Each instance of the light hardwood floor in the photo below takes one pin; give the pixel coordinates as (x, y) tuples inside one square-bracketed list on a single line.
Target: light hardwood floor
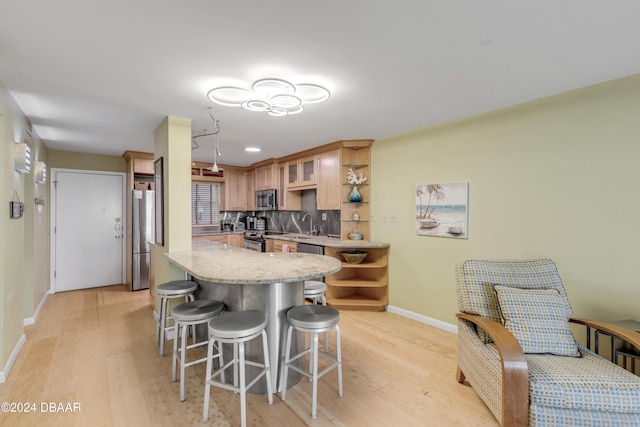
[(97, 348)]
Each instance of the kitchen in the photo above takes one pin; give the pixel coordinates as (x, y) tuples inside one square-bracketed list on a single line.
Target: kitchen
[(295, 203)]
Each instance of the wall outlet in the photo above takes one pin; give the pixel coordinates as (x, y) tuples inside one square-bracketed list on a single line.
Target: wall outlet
[(324, 216), (393, 217)]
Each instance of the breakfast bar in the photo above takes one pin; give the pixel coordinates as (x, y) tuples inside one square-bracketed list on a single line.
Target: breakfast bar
[(268, 282)]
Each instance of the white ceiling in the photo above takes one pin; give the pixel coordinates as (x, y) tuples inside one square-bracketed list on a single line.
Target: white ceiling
[(99, 77)]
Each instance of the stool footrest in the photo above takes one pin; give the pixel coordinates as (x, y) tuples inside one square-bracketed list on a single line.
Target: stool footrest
[(235, 389)]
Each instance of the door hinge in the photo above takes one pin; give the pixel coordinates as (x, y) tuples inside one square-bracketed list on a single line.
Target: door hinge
[(54, 274)]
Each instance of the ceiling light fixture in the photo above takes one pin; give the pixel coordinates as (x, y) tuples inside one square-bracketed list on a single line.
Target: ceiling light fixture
[(216, 147), (276, 97), (253, 149)]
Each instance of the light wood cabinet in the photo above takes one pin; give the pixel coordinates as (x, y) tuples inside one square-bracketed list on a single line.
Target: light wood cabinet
[(275, 245), (329, 189), (302, 173), (265, 177), (287, 200), (251, 190), (236, 240), (361, 286), (143, 166), (235, 190)]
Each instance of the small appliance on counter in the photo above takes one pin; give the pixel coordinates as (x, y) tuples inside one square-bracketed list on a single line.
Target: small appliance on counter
[(226, 225), (238, 226), (251, 222)]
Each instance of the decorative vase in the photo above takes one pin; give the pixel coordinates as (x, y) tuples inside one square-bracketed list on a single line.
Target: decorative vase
[(355, 195)]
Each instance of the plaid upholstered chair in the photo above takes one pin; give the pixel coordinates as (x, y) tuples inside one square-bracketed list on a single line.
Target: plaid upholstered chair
[(517, 352)]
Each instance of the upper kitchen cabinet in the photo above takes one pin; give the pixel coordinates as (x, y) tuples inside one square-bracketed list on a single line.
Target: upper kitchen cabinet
[(302, 173), (329, 181), (287, 200), (235, 189), (265, 177), (251, 189)]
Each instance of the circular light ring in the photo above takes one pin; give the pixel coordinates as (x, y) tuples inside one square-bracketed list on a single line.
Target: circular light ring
[(256, 105), (285, 101), (229, 96), (296, 110), (277, 112), (311, 94), (270, 87)]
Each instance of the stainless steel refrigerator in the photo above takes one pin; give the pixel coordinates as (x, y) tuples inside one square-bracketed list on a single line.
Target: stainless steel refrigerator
[(142, 234)]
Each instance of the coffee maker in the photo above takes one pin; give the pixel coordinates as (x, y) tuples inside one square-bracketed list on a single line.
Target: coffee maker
[(252, 222)]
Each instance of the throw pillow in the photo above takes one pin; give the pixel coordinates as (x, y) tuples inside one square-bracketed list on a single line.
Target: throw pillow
[(538, 320)]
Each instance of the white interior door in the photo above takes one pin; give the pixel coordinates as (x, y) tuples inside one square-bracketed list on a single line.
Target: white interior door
[(88, 229)]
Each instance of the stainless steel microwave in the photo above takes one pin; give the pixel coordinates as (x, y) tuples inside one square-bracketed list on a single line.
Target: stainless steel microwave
[(266, 200)]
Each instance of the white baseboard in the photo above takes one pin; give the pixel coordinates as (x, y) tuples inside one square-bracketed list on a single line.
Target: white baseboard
[(4, 374), (32, 320), (423, 319)]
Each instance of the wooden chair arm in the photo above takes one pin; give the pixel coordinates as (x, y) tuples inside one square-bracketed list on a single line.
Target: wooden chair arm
[(626, 334), (515, 372)]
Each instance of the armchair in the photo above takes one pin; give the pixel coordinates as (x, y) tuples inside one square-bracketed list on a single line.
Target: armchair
[(517, 352)]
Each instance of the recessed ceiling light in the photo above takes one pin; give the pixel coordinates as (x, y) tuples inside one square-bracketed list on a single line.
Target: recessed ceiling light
[(252, 149)]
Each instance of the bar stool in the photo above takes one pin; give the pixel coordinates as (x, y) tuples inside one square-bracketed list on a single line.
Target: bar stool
[(313, 319), (166, 291), (237, 328), (190, 314), (314, 290)]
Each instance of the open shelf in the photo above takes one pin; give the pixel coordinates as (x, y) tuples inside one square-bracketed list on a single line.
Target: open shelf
[(356, 283), (361, 286), (377, 264)]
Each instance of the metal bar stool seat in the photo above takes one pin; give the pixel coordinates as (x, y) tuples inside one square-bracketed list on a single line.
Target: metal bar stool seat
[(315, 290), (166, 291), (314, 319), (190, 314), (237, 328)]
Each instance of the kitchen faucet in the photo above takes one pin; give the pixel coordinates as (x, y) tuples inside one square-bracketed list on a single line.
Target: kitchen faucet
[(311, 230)]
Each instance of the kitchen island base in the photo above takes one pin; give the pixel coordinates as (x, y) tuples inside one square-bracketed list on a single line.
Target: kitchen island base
[(273, 300)]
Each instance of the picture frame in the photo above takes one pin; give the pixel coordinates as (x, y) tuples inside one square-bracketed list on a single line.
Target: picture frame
[(442, 210), (158, 171)]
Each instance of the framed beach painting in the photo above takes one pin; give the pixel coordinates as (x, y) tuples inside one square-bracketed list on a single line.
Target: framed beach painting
[(442, 210)]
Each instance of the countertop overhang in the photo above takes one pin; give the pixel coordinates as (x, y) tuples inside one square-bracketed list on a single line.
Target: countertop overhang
[(221, 263)]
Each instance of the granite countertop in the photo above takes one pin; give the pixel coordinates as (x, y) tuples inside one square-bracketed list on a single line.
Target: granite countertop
[(332, 242), (215, 233), (221, 263)]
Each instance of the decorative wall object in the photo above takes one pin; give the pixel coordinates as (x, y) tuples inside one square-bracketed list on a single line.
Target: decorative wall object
[(41, 173), (442, 210), (159, 201), (22, 157)]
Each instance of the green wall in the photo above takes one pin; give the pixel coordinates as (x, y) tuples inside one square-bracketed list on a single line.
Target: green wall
[(86, 161), (24, 251), (554, 178)]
